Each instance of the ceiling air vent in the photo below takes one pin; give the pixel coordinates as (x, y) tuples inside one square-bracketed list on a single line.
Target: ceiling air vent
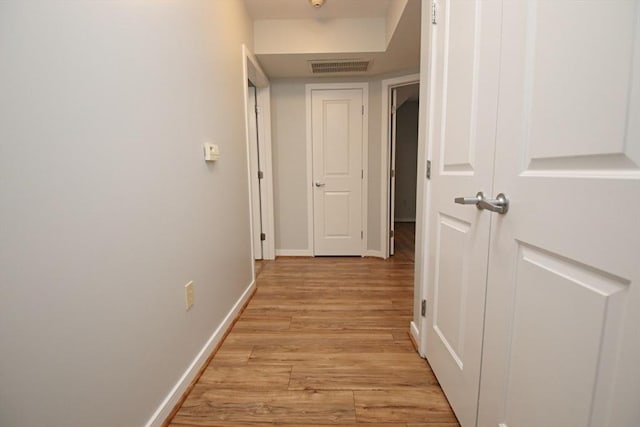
[(339, 66)]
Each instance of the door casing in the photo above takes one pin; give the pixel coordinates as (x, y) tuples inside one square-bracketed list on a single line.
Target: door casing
[(385, 161), (253, 72)]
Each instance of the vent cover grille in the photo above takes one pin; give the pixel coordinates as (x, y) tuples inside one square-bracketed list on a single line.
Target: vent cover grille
[(339, 66)]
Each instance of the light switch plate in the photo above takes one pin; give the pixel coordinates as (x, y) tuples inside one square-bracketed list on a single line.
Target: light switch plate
[(211, 152)]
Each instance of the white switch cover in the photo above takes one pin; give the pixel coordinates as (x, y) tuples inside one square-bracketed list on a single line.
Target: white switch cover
[(211, 152)]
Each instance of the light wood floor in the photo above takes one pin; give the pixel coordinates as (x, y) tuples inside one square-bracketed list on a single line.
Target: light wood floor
[(323, 341)]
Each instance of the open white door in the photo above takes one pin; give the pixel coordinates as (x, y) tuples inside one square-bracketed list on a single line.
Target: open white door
[(392, 180), (562, 340), (463, 111), (254, 162), (337, 140)]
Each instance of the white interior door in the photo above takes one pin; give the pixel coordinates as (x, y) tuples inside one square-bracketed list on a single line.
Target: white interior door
[(337, 138), (562, 340), (254, 165), (392, 184), (465, 59)]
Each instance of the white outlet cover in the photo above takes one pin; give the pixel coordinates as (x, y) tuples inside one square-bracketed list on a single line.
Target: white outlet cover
[(188, 295)]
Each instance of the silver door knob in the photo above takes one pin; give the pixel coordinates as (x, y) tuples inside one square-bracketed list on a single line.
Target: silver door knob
[(500, 204), (319, 184)]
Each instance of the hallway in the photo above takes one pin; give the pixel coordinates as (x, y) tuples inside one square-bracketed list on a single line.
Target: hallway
[(323, 341)]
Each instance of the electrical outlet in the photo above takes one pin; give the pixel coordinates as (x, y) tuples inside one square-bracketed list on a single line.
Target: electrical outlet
[(188, 294)]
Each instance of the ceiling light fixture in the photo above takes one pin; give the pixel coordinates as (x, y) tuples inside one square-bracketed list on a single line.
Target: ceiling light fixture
[(316, 3)]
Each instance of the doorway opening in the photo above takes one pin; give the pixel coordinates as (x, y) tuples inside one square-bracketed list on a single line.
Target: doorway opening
[(401, 98), (258, 139)]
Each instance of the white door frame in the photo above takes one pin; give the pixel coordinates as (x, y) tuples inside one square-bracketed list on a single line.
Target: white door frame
[(254, 150), (385, 165), (253, 72), (365, 153), (425, 118)]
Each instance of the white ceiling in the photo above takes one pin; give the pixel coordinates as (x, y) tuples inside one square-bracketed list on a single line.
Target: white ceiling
[(401, 53), (301, 9)]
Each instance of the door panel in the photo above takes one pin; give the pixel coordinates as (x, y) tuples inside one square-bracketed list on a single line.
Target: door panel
[(577, 333), (337, 171), (336, 213), (561, 341), (593, 101), (451, 285), (335, 127), (463, 112), (460, 80)]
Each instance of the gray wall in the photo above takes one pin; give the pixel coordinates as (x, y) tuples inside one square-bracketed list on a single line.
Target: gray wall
[(107, 207), (288, 109), (289, 153), (406, 161)]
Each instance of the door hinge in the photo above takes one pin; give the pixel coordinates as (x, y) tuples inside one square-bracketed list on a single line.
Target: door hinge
[(363, 110), (423, 309), (260, 175), (361, 234), (393, 173), (361, 173), (434, 12), (393, 109), (428, 169), (391, 234), (263, 237), (258, 109)]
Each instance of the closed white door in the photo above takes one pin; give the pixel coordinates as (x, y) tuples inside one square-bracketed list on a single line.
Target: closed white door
[(463, 106), (392, 183), (562, 336), (337, 140)]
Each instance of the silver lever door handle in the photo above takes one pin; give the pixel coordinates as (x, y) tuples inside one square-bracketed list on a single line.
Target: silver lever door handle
[(499, 204), (319, 184), (470, 200)]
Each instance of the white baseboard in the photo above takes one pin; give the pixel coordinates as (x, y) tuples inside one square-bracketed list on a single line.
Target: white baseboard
[(404, 220), (375, 254), (167, 405), (294, 252), (415, 334)]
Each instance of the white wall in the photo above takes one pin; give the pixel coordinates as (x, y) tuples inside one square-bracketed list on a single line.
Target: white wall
[(289, 158), (406, 161), (107, 207)]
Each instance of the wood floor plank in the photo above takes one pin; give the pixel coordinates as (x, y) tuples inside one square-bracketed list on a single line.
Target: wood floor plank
[(298, 337), (426, 404), (230, 354), (369, 322), (307, 407), (259, 323), (370, 349), (382, 377), (278, 307), (255, 377), (338, 359), (454, 424), (260, 424)]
